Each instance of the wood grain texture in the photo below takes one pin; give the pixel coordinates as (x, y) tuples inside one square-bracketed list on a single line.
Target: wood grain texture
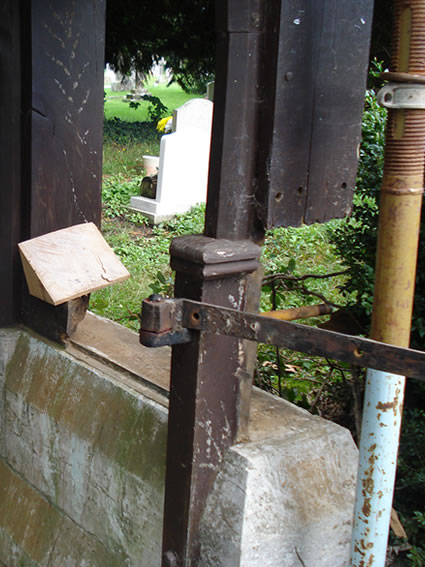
[(67, 113), (69, 263), (310, 121)]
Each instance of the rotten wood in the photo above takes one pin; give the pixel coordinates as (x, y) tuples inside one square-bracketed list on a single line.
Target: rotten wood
[(57, 323)]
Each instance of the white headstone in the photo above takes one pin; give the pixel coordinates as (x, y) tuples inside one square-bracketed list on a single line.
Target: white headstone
[(195, 113), (183, 163)]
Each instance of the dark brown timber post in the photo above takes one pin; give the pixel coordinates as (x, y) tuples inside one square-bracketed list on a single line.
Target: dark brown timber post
[(51, 98), (211, 376), (15, 96)]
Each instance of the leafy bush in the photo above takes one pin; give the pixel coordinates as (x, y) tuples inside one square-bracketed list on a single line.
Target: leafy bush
[(121, 131), (355, 239), (156, 109), (116, 193)]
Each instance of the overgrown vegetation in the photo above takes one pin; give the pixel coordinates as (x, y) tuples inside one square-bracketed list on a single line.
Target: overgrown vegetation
[(331, 263)]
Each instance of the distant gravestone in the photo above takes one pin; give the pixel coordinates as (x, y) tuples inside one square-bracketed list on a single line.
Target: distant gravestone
[(183, 163), (210, 90)]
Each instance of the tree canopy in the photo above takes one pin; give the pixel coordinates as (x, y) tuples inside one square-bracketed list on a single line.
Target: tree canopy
[(141, 33)]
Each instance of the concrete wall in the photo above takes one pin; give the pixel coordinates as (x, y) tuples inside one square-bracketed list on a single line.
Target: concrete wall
[(82, 458)]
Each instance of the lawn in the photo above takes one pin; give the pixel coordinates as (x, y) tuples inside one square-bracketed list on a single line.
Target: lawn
[(172, 97)]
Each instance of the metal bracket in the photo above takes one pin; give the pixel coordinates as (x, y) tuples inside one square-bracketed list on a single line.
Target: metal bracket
[(402, 96), (171, 319)]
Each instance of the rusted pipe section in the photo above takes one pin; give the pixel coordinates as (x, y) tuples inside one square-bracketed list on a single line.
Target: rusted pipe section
[(400, 209), (299, 312)]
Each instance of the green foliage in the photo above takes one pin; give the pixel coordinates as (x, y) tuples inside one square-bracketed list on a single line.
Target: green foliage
[(143, 249), (163, 285), (355, 239), (298, 251), (121, 132), (156, 109), (170, 96), (116, 193), (410, 485)]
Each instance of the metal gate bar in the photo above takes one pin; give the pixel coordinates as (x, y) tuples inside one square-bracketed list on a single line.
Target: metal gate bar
[(166, 321)]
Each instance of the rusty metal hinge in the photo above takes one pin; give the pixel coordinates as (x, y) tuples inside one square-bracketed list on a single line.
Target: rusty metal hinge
[(172, 321)]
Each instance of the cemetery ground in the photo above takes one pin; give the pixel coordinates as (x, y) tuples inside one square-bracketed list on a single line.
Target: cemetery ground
[(324, 387)]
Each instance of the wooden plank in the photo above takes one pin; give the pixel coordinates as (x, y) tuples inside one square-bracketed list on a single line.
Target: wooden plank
[(311, 117), (69, 263), (343, 48), (230, 211), (286, 120)]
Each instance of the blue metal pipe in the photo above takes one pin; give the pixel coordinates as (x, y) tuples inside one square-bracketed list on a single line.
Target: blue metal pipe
[(382, 411)]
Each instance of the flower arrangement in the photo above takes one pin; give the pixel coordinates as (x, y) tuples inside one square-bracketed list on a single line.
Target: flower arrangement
[(165, 124)]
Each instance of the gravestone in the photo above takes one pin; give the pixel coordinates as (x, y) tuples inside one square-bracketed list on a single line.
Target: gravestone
[(183, 164)]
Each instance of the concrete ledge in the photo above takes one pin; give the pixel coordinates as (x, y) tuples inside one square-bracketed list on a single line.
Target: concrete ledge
[(82, 451), (285, 497)]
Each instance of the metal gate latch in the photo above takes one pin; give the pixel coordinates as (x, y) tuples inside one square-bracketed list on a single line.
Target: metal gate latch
[(173, 321)]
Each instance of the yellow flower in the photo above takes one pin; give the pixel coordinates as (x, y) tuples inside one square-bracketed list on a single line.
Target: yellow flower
[(162, 123)]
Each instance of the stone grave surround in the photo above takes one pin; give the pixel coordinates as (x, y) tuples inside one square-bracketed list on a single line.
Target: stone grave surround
[(183, 164)]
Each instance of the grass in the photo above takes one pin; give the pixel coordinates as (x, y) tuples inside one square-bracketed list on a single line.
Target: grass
[(172, 97)]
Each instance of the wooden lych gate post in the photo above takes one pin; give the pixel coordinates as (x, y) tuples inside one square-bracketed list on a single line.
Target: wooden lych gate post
[(51, 105), (289, 94)]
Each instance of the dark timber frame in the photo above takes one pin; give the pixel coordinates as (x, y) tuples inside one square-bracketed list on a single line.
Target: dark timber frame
[(51, 104)]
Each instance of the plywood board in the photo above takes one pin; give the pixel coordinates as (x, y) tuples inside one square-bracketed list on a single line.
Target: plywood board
[(69, 263)]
